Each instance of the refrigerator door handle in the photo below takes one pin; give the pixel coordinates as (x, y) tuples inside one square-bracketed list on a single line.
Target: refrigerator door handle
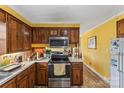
[(118, 65), (121, 63)]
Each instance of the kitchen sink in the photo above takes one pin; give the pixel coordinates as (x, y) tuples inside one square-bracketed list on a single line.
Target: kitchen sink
[(4, 75)]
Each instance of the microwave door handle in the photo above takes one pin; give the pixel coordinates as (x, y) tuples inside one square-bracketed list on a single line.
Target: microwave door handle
[(121, 63)]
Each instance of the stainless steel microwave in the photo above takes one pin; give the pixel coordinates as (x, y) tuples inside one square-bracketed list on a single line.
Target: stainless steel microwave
[(58, 42)]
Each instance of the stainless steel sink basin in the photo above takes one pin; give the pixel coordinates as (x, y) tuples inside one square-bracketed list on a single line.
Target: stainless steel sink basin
[(4, 75)]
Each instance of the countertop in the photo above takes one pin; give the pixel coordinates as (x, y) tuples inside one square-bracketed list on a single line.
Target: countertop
[(72, 59), (27, 64)]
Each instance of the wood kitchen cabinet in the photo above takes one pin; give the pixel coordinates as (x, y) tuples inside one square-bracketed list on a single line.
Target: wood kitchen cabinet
[(40, 35), (42, 73), (120, 28), (31, 76), (76, 73), (26, 30), (10, 84), (14, 34), (22, 80), (3, 35), (2, 16), (74, 36)]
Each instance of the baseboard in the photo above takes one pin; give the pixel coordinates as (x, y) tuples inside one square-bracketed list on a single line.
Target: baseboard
[(99, 75)]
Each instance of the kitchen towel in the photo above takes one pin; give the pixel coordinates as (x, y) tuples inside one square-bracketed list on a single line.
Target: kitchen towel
[(59, 69)]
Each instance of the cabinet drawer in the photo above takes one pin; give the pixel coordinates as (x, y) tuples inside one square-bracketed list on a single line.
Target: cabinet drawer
[(22, 74), (77, 65), (42, 65)]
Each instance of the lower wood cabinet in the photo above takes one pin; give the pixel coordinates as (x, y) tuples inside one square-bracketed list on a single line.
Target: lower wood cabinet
[(42, 73), (10, 84), (22, 79), (76, 73), (23, 83), (31, 76)]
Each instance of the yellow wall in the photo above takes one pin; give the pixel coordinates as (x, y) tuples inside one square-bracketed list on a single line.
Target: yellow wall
[(99, 58)]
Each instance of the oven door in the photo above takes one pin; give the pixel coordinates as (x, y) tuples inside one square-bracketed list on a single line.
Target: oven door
[(58, 81), (51, 71)]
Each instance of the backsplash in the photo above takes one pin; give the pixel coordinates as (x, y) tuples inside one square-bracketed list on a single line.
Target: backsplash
[(14, 58)]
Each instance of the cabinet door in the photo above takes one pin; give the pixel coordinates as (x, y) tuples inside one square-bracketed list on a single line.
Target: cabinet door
[(74, 36), (120, 28), (76, 77), (23, 83), (19, 36), (13, 34), (42, 77), (31, 76), (31, 80), (40, 35), (3, 38), (45, 36), (10, 84), (26, 37), (2, 16), (15, 38), (42, 73)]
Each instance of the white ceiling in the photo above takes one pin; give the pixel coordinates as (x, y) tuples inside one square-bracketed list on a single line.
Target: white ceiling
[(86, 15)]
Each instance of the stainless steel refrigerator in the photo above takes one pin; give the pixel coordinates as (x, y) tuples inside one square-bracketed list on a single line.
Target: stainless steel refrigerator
[(117, 63)]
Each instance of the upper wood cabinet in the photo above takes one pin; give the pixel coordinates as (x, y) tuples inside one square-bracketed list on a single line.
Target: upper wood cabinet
[(14, 34), (3, 34), (26, 30), (120, 28), (41, 35), (19, 35), (74, 36), (2, 16)]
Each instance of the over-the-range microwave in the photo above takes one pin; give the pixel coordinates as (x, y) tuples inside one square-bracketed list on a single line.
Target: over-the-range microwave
[(58, 42)]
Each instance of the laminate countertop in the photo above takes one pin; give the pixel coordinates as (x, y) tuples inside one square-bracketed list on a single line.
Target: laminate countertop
[(73, 59)]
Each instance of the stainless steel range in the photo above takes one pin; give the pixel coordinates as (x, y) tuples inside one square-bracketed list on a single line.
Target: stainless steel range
[(59, 79)]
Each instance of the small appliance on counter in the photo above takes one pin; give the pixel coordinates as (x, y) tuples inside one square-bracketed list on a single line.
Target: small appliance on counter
[(75, 52)]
